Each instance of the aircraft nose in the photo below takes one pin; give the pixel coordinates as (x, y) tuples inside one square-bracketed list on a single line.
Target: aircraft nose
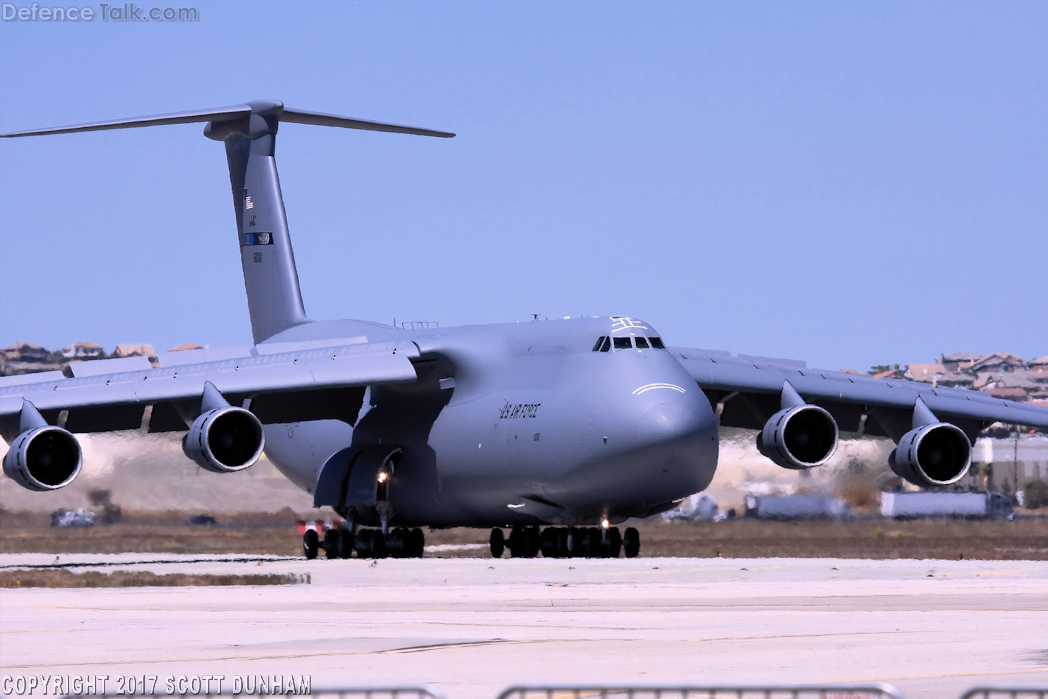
[(666, 427), (666, 420)]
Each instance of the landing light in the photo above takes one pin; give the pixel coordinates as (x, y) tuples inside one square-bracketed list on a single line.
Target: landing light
[(605, 523), (383, 477)]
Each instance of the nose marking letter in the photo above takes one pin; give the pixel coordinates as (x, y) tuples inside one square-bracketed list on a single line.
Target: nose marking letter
[(653, 386), (625, 323)]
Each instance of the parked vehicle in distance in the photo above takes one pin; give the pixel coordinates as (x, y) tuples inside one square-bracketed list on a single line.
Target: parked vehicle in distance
[(960, 505), (72, 518), (797, 507)]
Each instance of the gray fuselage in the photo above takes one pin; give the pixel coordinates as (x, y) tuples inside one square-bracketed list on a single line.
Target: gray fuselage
[(537, 428)]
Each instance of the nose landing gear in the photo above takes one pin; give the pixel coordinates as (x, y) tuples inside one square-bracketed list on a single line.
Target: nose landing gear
[(566, 542)]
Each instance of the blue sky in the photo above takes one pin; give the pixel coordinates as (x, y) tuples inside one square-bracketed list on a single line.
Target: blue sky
[(846, 183)]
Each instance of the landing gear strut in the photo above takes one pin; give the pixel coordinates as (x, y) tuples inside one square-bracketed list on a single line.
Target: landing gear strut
[(565, 542)]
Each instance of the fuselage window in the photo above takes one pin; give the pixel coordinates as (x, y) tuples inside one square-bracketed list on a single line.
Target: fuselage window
[(607, 345), (642, 343), (623, 343), (600, 341), (656, 342)]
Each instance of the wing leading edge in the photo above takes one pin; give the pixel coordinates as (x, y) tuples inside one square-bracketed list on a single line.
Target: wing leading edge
[(725, 377), (116, 398)]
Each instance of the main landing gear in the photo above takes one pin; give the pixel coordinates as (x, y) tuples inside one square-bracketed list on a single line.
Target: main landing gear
[(367, 543), (565, 542)]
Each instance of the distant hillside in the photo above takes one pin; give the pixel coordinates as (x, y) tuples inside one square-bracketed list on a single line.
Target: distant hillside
[(27, 358)]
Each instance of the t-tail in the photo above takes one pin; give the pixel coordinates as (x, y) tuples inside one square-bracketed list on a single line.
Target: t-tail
[(249, 131)]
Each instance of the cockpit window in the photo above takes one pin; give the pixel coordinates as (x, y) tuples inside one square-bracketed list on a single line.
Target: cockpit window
[(656, 342), (642, 343), (607, 345), (623, 343), (600, 341)]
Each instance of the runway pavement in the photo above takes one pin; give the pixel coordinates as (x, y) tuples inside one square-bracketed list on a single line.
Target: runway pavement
[(471, 627)]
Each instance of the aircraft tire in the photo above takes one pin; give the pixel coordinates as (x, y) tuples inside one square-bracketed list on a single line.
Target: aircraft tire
[(612, 543), (549, 544), (404, 550), (497, 542), (572, 539), (395, 543), (515, 542), (562, 542), (531, 542), (594, 543), (631, 543), (417, 541), (363, 543), (345, 543), (378, 544), (310, 544), (331, 543)]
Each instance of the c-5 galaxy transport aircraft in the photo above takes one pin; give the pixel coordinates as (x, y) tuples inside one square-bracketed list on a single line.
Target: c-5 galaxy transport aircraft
[(579, 424)]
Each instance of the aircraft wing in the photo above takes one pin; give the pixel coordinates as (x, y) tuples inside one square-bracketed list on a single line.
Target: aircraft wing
[(749, 389), (287, 382)]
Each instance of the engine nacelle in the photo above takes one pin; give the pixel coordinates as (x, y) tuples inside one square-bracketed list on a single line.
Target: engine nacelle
[(932, 455), (44, 458), (800, 437), (226, 439)]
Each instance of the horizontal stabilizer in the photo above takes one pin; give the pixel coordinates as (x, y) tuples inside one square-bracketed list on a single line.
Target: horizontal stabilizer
[(202, 115), (298, 116), (267, 108)]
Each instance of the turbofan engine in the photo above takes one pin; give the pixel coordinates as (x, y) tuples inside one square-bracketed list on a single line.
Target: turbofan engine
[(800, 437), (225, 439), (932, 455), (44, 458)]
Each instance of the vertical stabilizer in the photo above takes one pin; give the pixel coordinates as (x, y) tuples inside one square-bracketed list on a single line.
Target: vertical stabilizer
[(274, 298)]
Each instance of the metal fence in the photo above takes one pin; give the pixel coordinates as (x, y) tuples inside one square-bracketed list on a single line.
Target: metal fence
[(1001, 692), (876, 690), (230, 691)]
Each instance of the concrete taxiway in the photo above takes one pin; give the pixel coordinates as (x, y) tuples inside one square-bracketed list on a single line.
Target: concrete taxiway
[(473, 626)]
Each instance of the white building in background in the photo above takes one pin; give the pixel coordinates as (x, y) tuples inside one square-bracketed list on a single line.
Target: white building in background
[(1015, 461)]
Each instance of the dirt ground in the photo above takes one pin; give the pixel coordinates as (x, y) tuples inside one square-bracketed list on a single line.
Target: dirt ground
[(275, 533)]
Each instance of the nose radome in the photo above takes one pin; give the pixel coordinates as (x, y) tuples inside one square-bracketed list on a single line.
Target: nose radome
[(664, 424)]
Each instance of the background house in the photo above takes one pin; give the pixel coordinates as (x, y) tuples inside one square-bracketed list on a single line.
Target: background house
[(959, 361), (997, 362), (83, 350)]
